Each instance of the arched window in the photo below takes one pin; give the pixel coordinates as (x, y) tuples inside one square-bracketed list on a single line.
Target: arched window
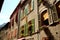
[(44, 18)]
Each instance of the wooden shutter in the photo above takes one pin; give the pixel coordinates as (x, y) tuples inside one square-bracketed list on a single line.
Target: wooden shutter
[(32, 4), (50, 19), (20, 32), (26, 29), (21, 14), (33, 25), (26, 10), (27, 7), (55, 15)]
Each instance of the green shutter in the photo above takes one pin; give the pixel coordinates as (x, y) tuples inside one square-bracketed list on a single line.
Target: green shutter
[(33, 25), (26, 29), (26, 11)]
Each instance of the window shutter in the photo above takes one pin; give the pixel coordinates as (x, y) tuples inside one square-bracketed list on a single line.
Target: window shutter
[(26, 11), (26, 29), (55, 15), (32, 4), (50, 19), (21, 15), (20, 32), (33, 25), (27, 6)]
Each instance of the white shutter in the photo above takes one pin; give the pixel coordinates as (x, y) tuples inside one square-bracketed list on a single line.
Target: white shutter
[(50, 19)]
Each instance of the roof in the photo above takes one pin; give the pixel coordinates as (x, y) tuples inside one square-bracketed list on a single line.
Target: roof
[(18, 6), (15, 10), (1, 3), (4, 26)]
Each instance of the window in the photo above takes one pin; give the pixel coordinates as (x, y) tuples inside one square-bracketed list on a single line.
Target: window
[(44, 18), (12, 23), (28, 8), (30, 30), (16, 20), (22, 31), (31, 26)]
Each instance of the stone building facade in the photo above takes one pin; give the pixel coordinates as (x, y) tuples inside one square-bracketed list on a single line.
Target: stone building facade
[(37, 20), (49, 19), (14, 24), (45, 14)]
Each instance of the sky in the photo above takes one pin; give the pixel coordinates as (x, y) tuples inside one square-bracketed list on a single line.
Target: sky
[(7, 9)]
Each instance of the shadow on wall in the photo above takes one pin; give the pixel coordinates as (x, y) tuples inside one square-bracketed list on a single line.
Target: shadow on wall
[(48, 33)]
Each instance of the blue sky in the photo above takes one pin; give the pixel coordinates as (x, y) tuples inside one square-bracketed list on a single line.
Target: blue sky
[(7, 9)]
